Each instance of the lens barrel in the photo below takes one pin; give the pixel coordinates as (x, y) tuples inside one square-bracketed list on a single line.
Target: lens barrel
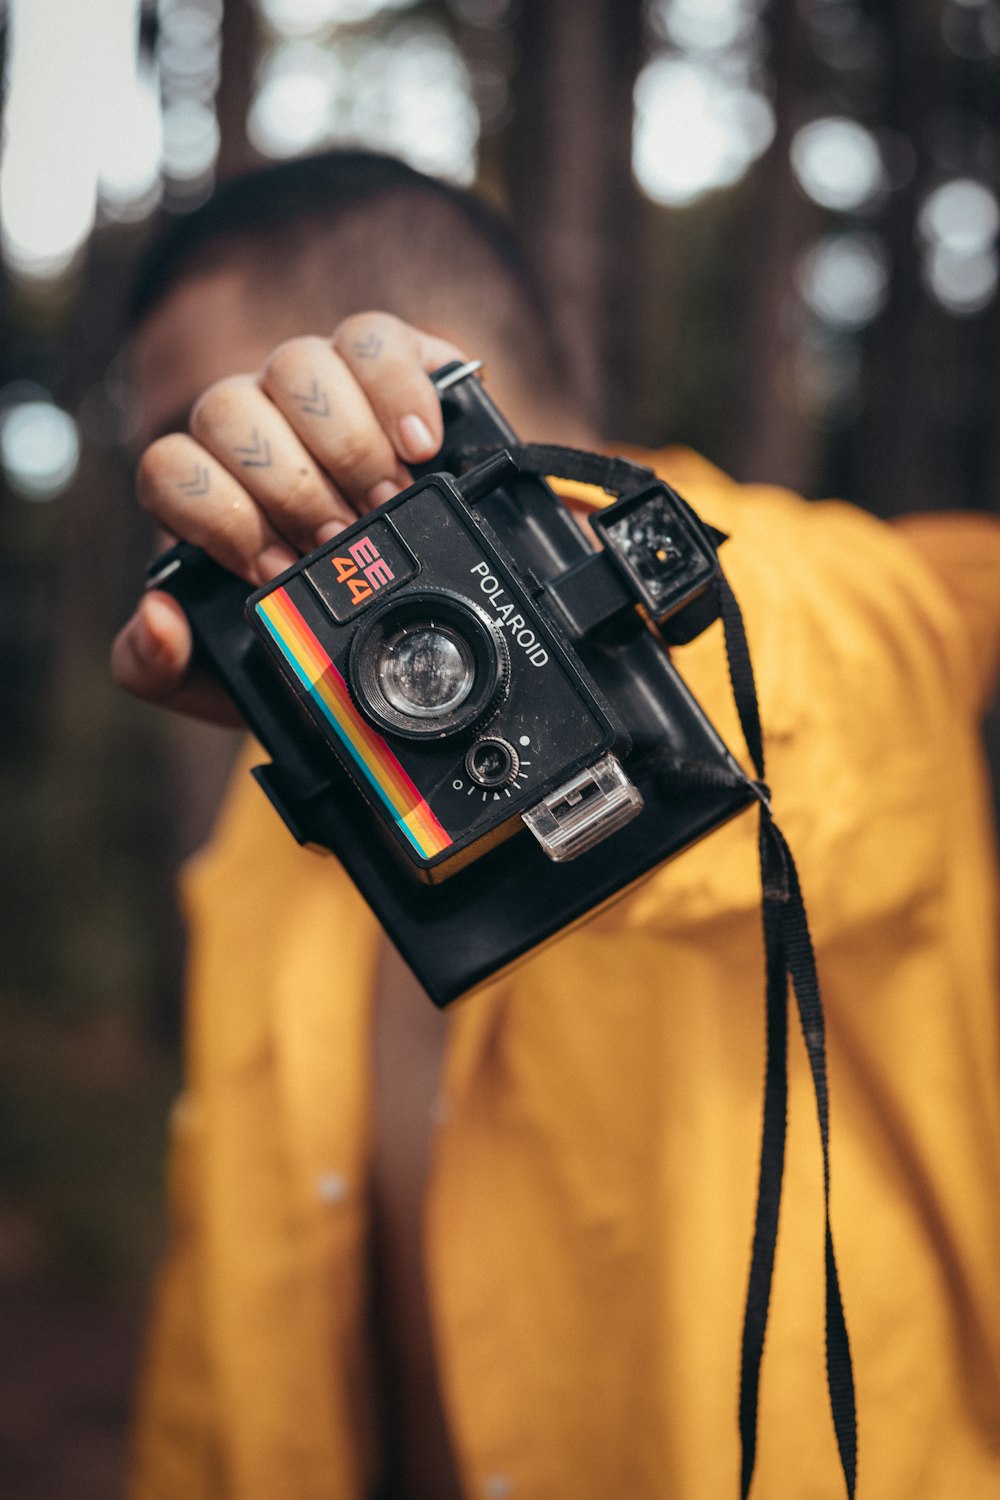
[(427, 665)]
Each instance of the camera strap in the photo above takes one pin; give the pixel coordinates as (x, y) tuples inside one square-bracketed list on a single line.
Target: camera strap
[(789, 954)]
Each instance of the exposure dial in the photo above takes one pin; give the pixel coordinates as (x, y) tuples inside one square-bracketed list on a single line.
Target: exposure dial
[(492, 762)]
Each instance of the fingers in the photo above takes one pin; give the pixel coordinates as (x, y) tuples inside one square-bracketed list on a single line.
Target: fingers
[(362, 403), (253, 482), (390, 362), (274, 466), (245, 431), (316, 392), (194, 496), (151, 658)]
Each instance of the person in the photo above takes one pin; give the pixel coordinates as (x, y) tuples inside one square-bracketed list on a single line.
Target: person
[(502, 1250)]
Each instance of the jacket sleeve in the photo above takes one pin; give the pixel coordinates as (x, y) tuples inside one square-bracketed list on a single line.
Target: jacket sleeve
[(176, 1450), (963, 549)]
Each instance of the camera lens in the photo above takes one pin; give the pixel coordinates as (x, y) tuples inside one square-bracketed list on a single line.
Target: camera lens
[(426, 670), (427, 665)]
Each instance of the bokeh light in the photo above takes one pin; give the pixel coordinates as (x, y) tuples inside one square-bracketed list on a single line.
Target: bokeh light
[(963, 284), (188, 72), (39, 449), (293, 110), (49, 131), (190, 139), (704, 25), (191, 24), (411, 94), (844, 280), (408, 92), (79, 139), (962, 215), (189, 60), (958, 223), (129, 178), (837, 163), (307, 17), (696, 128)]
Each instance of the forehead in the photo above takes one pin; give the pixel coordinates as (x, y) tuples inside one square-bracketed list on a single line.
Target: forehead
[(205, 328)]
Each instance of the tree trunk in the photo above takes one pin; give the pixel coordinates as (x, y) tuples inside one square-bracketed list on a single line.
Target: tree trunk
[(240, 40), (573, 196), (772, 441), (894, 444)]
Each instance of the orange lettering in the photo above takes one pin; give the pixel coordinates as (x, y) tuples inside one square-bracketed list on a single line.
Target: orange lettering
[(345, 568), (359, 589)]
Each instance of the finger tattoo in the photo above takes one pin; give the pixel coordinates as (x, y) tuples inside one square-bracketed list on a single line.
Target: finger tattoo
[(367, 348), (316, 402), (257, 455), (198, 484)]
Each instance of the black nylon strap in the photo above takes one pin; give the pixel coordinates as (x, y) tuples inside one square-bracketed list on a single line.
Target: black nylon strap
[(615, 475), (789, 952)]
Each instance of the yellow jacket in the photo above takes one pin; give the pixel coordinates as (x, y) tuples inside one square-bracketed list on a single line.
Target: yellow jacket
[(592, 1186)]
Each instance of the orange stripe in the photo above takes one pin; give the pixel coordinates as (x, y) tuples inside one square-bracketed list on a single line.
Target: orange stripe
[(396, 786)]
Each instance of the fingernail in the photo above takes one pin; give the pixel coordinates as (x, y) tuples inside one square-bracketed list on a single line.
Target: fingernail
[(148, 641), (415, 436), (274, 560), (381, 492), (328, 531)]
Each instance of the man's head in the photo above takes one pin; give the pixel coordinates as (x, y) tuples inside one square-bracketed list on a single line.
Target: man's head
[(294, 248)]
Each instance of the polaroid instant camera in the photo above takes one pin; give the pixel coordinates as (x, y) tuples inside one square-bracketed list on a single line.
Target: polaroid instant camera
[(473, 708)]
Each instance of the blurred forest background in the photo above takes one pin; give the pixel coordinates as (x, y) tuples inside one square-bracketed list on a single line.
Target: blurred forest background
[(770, 230)]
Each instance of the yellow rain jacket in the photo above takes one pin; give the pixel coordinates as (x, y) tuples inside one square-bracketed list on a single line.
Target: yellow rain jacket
[(592, 1187)]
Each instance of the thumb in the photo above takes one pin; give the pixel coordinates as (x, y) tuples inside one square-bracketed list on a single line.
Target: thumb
[(151, 653)]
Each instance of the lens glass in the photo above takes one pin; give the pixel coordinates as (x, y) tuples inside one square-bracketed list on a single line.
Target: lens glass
[(426, 670)]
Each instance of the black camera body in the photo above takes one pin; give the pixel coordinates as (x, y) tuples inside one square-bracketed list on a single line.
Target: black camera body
[(467, 703), (435, 678)]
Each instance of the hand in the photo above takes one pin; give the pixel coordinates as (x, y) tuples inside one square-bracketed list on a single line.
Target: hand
[(275, 464)]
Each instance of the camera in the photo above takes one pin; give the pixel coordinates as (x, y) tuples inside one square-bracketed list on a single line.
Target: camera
[(471, 704), (441, 686)]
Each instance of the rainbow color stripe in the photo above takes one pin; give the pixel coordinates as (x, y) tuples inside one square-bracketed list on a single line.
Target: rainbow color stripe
[(368, 750)]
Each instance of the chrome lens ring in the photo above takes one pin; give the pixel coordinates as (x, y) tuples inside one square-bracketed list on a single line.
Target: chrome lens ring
[(427, 665)]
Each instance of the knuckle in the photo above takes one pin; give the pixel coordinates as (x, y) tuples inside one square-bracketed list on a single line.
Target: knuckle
[(297, 503), (233, 530), (358, 452), (158, 461), (363, 325), (299, 509), (217, 404), (288, 358)]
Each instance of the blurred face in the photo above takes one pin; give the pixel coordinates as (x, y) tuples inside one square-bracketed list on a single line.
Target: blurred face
[(203, 330), (209, 327)]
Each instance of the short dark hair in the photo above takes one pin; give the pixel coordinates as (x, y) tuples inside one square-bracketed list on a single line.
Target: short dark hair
[(354, 230)]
